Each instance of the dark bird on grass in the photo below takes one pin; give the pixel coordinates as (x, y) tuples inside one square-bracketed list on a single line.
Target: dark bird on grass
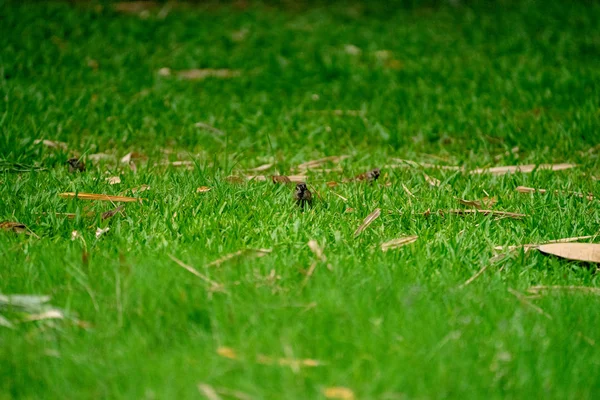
[(302, 195), (75, 164), (370, 176)]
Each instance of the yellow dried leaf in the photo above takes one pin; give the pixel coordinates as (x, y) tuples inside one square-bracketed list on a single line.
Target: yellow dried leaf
[(227, 352), (339, 393), (113, 180), (397, 243), (99, 197), (203, 189), (522, 168), (588, 252)]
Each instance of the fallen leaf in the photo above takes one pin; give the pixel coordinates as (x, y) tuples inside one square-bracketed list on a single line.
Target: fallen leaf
[(99, 197), (407, 191), (208, 391), (352, 49), (260, 168), (297, 178), (524, 189), (134, 7), (200, 74), (227, 352), (140, 189), (24, 302), (50, 314), (313, 245), (340, 196), (331, 184), (588, 252), (486, 202), (484, 212), (234, 179), (209, 128), (132, 156), (339, 393), (100, 157), (16, 227), (51, 143), (316, 163), (280, 179), (522, 168), (397, 243), (410, 163), (367, 221), (101, 231), (111, 213), (181, 163), (203, 189), (529, 246), (259, 178), (581, 289), (349, 210), (251, 252), (432, 181), (113, 180), (164, 71)]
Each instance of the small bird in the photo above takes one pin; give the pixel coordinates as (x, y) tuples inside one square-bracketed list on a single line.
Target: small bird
[(75, 164), (370, 176), (302, 195)]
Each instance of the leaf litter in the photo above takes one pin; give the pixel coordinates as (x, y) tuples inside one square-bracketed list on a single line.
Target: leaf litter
[(99, 197), (397, 243), (586, 252), (16, 227), (511, 169), (524, 189), (367, 221)]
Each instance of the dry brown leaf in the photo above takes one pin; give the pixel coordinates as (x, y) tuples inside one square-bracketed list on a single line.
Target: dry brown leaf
[(415, 164), (209, 128), (101, 231), (397, 243), (258, 178), (580, 289), (260, 168), (200, 74), (113, 180), (317, 163), (16, 227), (432, 181), (140, 189), (134, 7), (50, 314), (313, 245), (227, 352), (484, 212), (331, 184), (208, 391), (588, 252), (132, 156), (99, 197), (251, 252), (486, 202), (297, 178), (367, 221), (525, 189), (100, 157), (203, 189), (529, 246), (280, 179), (349, 210), (51, 143), (522, 168), (234, 179), (112, 213), (339, 393)]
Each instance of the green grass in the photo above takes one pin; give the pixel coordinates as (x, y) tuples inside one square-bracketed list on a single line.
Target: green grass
[(470, 83)]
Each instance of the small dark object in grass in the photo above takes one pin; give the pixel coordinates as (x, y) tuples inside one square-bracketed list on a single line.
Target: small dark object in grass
[(370, 176), (302, 195), (75, 164)]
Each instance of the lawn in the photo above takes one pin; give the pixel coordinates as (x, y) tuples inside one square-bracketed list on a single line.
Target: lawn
[(217, 293)]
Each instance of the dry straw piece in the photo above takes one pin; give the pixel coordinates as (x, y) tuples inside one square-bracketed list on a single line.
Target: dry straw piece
[(397, 243), (99, 197), (367, 221), (339, 393), (510, 169)]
